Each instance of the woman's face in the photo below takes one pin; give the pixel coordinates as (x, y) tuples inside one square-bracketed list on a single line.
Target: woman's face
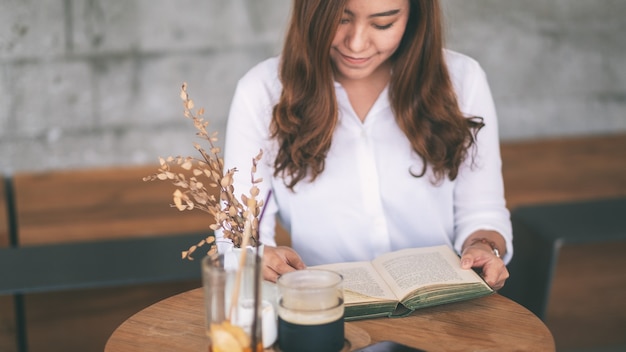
[(369, 33)]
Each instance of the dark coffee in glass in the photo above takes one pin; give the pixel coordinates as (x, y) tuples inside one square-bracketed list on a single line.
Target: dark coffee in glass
[(311, 311)]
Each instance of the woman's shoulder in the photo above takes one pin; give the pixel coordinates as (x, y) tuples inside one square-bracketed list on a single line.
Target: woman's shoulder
[(261, 84), (461, 64), (264, 72), (466, 74)]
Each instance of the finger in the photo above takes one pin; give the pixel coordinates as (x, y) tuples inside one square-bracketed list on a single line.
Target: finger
[(275, 267), (467, 262), (495, 274), (269, 274), (271, 263), (293, 259), (502, 279), (470, 260), (282, 260), (498, 284)]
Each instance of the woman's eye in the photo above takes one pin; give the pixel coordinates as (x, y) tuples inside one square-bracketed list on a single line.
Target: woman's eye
[(344, 21), (383, 27)]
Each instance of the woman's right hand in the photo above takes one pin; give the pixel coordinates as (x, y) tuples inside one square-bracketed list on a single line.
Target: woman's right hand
[(280, 260)]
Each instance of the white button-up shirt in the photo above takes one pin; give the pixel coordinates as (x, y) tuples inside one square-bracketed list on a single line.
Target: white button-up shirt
[(366, 202)]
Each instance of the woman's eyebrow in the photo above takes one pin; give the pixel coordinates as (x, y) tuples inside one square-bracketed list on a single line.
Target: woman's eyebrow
[(384, 14), (380, 14)]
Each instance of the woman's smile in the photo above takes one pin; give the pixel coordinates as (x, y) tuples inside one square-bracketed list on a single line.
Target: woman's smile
[(355, 61)]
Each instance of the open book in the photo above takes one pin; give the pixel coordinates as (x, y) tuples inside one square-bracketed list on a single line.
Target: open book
[(397, 283)]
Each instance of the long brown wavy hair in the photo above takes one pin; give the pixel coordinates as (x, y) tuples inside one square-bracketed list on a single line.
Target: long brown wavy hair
[(420, 91)]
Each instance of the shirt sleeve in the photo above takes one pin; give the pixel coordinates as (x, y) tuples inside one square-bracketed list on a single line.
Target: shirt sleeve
[(247, 133), (479, 202)]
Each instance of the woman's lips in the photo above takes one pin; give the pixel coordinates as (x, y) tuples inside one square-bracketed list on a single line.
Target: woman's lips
[(354, 60)]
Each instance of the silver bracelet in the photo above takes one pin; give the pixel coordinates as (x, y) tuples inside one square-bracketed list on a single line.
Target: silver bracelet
[(491, 244)]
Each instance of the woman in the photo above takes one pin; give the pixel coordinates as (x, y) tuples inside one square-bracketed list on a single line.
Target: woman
[(375, 139)]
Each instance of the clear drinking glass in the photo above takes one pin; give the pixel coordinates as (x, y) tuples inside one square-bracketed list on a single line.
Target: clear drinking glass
[(310, 311), (230, 296)]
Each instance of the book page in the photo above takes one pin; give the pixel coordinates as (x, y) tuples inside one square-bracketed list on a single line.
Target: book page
[(361, 283), (408, 269)]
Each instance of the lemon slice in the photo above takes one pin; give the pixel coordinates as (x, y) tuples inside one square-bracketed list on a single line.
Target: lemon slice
[(238, 333), (224, 341), (226, 337)]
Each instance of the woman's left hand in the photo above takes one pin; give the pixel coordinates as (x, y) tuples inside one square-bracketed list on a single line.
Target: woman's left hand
[(480, 255)]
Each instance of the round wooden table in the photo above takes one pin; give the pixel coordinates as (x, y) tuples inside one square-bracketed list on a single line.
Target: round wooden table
[(492, 323)]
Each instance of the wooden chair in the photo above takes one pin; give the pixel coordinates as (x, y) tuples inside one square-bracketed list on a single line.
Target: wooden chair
[(4, 214), (80, 229), (540, 233), (104, 263)]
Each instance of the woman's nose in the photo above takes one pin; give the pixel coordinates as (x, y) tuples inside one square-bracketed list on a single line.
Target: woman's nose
[(356, 39)]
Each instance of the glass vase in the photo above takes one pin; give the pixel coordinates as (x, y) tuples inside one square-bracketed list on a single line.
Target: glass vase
[(232, 289)]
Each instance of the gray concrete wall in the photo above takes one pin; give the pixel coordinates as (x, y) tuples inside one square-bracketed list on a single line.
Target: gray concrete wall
[(90, 83), (556, 67)]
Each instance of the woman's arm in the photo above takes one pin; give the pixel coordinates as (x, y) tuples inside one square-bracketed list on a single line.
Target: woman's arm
[(248, 132), (479, 203), (483, 233)]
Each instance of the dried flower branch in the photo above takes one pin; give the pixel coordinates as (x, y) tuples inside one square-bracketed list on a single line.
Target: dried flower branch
[(229, 213)]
